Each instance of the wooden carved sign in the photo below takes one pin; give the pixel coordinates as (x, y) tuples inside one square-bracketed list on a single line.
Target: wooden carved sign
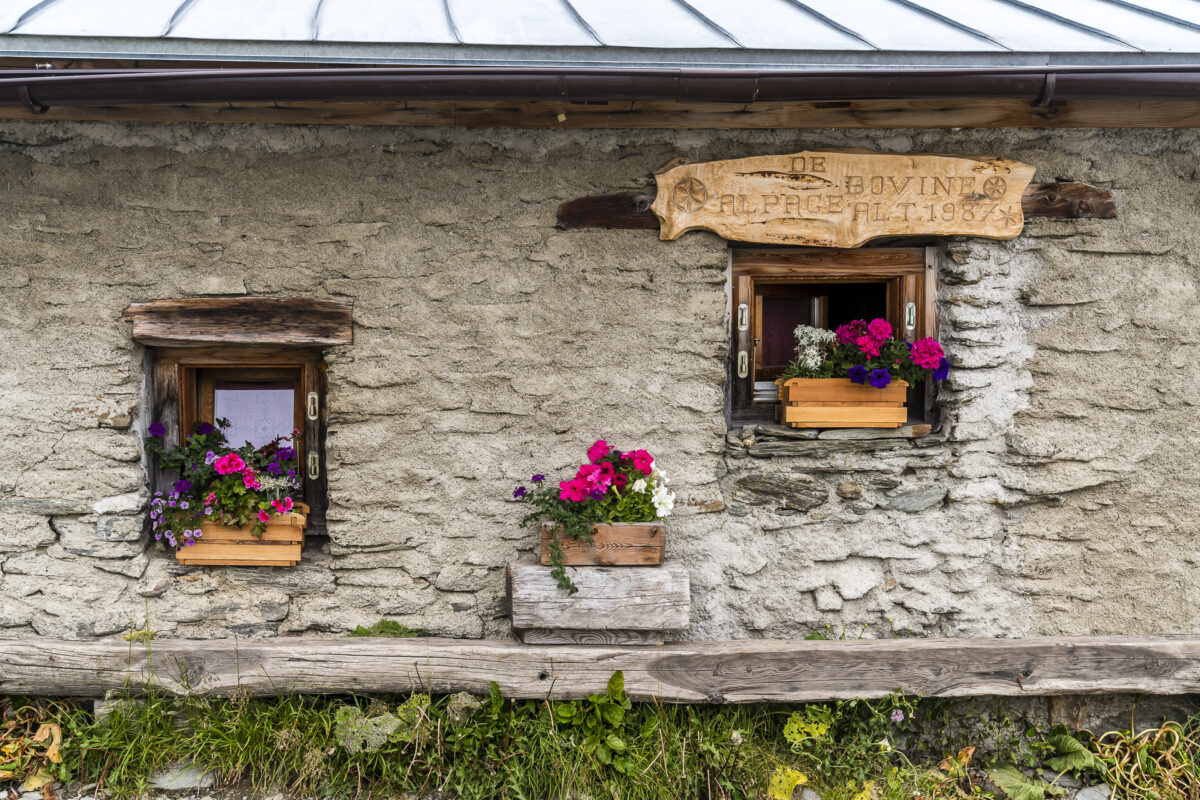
[(832, 198)]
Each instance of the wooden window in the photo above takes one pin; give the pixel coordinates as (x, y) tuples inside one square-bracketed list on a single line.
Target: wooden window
[(776, 289), (264, 392), (254, 360)]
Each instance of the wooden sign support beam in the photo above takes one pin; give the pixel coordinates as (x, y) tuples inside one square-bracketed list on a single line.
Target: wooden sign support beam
[(747, 671), (1066, 200)]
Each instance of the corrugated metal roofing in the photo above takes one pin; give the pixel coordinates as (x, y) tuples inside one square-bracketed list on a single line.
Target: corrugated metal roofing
[(693, 33)]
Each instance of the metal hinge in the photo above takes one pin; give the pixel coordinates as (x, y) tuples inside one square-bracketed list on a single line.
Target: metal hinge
[(743, 319), (312, 406), (314, 466), (743, 364), (910, 316)]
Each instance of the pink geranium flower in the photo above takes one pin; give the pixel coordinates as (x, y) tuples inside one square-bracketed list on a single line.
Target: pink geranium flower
[(249, 480), (869, 345), (927, 353), (228, 464), (264, 516), (598, 451), (880, 328), (848, 333)]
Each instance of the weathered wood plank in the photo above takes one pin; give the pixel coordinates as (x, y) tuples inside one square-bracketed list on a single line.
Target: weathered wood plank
[(736, 672), (1063, 200), (609, 598), (620, 544), (551, 636), (291, 321), (961, 113)]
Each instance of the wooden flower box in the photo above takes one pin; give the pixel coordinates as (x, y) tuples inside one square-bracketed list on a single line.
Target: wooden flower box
[(279, 545), (839, 403), (629, 544)]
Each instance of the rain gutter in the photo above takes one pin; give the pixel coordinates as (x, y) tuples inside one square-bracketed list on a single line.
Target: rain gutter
[(40, 89)]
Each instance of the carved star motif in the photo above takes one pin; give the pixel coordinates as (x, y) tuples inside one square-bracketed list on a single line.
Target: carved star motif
[(1010, 216)]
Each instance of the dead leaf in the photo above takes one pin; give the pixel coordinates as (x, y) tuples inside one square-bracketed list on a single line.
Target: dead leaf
[(37, 780), (54, 733)]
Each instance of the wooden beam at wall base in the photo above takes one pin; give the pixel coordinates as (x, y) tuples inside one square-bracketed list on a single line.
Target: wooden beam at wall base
[(692, 672), (659, 114), (1066, 200)]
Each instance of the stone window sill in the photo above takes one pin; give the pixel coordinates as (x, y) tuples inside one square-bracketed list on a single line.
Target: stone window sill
[(769, 441)]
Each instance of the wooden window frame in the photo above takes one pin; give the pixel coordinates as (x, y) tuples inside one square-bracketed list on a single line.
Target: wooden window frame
[(909, 272), (178, 402)]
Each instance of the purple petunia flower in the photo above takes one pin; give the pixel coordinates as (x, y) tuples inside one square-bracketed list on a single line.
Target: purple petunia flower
[(897, 715), (210, 457), (275, 468), (157, 430), (207, 511), (183, 504), (538, 478), (857, 374), (519, 492), (943, 369), (183, 486), (880, 378), (596, 494), (204, 428)]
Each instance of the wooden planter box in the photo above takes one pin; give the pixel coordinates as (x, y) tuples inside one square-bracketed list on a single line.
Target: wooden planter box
[(630, 544), (279, 545), (839, 403)]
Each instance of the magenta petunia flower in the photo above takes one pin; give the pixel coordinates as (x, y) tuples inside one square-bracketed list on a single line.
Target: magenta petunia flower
[(598, 451)]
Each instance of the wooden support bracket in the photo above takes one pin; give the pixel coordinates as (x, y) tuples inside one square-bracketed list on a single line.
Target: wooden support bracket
[(1063, 200)]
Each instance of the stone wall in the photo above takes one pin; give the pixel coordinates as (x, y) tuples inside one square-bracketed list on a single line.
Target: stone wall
[(1056, 497)]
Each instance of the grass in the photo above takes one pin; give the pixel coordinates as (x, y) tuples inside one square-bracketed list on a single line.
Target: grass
[(604, 746)]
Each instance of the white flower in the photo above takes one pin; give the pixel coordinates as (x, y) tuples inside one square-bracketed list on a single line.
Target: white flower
[(664, 501), (639, 486), (660, 477)]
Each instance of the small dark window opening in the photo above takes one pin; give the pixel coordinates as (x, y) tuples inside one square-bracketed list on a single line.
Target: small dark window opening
[(776, 289)]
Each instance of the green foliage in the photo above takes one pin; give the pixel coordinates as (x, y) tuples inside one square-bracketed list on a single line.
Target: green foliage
[(599, 722), (473, 748), (850, 740), (1018, 787), (390, 628), (1073, 755)]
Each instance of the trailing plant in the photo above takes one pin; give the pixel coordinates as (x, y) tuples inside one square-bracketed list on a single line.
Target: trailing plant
[(232, 486), (865, 352), (613, 486)]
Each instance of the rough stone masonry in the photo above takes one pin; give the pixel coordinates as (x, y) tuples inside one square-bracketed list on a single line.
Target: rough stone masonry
[(1057, 497)]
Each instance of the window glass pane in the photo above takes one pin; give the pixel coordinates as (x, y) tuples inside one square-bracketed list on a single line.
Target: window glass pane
[(257, 412)]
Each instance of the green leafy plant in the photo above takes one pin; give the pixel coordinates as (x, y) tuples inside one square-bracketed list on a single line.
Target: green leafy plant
[(1017, 786), (600, 722)]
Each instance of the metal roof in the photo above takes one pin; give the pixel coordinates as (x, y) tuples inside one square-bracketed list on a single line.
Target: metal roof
[(762, 34)]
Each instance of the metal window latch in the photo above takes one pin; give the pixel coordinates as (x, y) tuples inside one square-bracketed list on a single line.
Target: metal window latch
[(314, 466), (910, 316), (743, 317), (312, 406), (743, 364)]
